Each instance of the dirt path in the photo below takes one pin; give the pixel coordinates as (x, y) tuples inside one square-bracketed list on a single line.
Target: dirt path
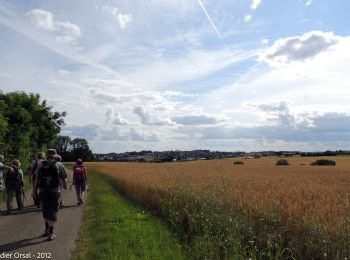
[(21, 232)]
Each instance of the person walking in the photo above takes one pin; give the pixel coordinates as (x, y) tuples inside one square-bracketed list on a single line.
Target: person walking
[(14, 185), (80, 180), (58, 158), (50, 176), (2, 170), (32, 176)]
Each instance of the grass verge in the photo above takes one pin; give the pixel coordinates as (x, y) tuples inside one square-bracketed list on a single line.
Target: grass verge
[(115, 229)]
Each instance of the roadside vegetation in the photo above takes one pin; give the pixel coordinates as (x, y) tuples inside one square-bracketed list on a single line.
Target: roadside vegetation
[(115, 229), (257, 211), (27, 125)]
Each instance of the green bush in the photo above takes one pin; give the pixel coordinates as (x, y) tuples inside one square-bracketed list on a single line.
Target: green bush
[(323, 162), (282, 162)]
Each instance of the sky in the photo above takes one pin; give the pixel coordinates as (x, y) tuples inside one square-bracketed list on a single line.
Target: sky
[(228, 75)]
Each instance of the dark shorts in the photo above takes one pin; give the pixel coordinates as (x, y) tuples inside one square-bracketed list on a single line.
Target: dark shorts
[(80, 186), (50, 204)]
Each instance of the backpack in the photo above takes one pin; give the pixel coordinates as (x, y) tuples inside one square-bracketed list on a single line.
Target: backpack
[(79, 172), (13, 179), (49, 175)]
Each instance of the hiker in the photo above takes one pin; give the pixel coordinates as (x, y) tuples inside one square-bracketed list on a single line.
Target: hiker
[(79, 180), (14, 185), (58, 158), (32, 176), (2, 170), (50, 175)]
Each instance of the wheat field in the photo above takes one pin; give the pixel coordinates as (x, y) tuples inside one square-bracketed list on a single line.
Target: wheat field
[(298, 210)]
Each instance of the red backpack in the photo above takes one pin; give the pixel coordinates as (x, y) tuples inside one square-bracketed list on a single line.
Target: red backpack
[(79, 173)]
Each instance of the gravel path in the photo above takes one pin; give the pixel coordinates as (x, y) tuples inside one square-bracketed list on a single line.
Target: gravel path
[(21, 233)]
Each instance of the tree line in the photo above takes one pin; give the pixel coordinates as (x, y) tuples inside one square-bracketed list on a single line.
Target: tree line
[(28, 125), (72, 149)]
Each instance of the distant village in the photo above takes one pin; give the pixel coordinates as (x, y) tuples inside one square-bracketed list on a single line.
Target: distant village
[(173, 156)]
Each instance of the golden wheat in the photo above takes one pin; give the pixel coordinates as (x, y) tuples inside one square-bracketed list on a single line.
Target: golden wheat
[(301, 195)]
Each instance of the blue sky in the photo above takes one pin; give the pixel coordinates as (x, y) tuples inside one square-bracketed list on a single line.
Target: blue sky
[(185, 74)]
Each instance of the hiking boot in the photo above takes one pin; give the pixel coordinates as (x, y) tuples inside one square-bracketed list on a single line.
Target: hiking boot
[(81, 202), (8, 212), (61, 204), (51, 237)]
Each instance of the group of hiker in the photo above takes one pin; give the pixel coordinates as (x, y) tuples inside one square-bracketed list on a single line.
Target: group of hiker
[(48, 177)]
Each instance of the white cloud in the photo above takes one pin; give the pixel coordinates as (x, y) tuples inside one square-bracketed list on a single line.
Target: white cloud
[(265, 41), (67, 32), (255, 4), (42, 19), (139, 135), (193, 65), (123, 19), (299, 48), (247, 18), (119, 120), (116, 118), (308, 2), (149, 119), (132, 134), (62, 72), (196, 120), (178, 94)]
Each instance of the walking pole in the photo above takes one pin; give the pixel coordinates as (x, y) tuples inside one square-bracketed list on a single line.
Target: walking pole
[(24, 196)]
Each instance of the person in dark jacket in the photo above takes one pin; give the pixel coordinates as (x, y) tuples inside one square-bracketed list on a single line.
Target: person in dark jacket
[(14, 185)]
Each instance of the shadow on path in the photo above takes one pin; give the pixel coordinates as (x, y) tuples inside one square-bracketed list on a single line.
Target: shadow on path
[(24, 210), (22, 243)]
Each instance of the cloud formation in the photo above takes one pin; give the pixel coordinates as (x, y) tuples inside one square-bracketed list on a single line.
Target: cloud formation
[(149, 119), (123, 19), (300, 48), (67, 32), (196, 120), (255, 4), (115, 118), (132, 134), (247, 18)]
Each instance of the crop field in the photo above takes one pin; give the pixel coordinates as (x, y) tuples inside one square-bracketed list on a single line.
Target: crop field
[(256, 210)]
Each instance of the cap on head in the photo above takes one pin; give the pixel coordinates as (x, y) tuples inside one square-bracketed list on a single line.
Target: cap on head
[(51, 153), (16, 163)]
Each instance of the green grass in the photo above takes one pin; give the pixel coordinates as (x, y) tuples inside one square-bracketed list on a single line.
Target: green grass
[(113, 228)]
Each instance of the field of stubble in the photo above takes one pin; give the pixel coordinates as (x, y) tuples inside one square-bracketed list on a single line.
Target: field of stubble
[(256, 210)]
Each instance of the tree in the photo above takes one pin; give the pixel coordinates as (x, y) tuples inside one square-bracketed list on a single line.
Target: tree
[(81, 149), (27, 125), (62, 144)]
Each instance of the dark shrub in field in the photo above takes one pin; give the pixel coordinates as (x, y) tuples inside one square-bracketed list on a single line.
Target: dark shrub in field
[(324, 162), (238, 162), (282, 162)]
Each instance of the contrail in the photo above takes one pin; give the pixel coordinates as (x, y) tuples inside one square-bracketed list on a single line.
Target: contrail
[(213, 25)]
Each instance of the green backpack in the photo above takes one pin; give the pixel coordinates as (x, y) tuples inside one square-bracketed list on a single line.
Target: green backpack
[(49, 175)]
